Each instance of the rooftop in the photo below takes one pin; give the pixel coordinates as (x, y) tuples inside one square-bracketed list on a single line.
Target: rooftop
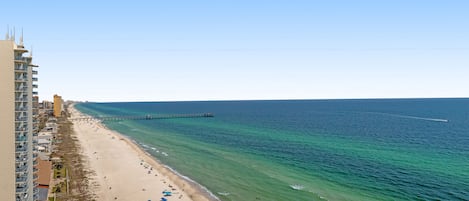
[(45, 168)]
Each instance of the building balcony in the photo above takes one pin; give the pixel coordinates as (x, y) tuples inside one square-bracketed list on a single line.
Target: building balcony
[(21, 169), (22, 185), (21, 69), (34, 72), (21, 99), (21, 180), (35, 93), (21, 196), (21, 145), (20, 49), (20, 159), (36, 195), (21, 154), (35, 79), (21, 76), (21, 109), (23, 94), (20, 55), (21, 138), (21, 89), (21, 113), (20, 162), (22, 193), (20, 123), (21, 106), (21, 119), (21, 149), (21, 128), (20, 60), (23, 163), (21, 190), (35, 86), (21, 79)]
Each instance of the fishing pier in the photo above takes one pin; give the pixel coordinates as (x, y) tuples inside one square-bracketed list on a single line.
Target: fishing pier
[(146, 117)]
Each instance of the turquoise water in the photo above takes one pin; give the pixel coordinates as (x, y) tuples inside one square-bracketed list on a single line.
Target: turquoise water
[(409, 149)]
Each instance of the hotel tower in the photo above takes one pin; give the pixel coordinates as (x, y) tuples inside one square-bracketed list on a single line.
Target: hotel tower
[(18, 122)]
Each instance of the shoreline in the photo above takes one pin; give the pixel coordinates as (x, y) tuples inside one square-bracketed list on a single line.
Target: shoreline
[(198, 187), (115, 171)]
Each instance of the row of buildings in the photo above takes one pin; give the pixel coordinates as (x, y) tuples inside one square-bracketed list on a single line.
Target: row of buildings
[(19, 125)]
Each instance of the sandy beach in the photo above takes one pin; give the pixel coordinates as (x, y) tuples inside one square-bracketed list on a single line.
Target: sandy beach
[(123, 171)]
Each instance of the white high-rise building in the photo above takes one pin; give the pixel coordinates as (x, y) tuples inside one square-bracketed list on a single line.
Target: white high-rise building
[(18, 122)]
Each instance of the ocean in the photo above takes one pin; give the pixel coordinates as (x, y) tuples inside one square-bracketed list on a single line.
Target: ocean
[(383, 149)]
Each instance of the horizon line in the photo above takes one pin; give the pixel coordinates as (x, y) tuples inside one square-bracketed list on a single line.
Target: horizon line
[(293, 99)]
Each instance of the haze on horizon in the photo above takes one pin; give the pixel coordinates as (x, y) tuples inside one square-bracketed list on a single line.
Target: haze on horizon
[(244, 50)]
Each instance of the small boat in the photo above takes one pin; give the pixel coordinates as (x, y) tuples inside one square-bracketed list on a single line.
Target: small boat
[(297, 186), (208, 115)]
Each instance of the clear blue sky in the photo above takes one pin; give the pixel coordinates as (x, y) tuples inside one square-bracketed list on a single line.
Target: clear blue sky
[(236, 49)]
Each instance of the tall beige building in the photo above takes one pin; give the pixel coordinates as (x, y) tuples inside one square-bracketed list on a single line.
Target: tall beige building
[(58, 105), (17, 127)]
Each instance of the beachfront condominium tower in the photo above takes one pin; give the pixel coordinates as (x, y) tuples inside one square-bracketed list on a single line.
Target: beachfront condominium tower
[(58, 102), (18, 122)]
